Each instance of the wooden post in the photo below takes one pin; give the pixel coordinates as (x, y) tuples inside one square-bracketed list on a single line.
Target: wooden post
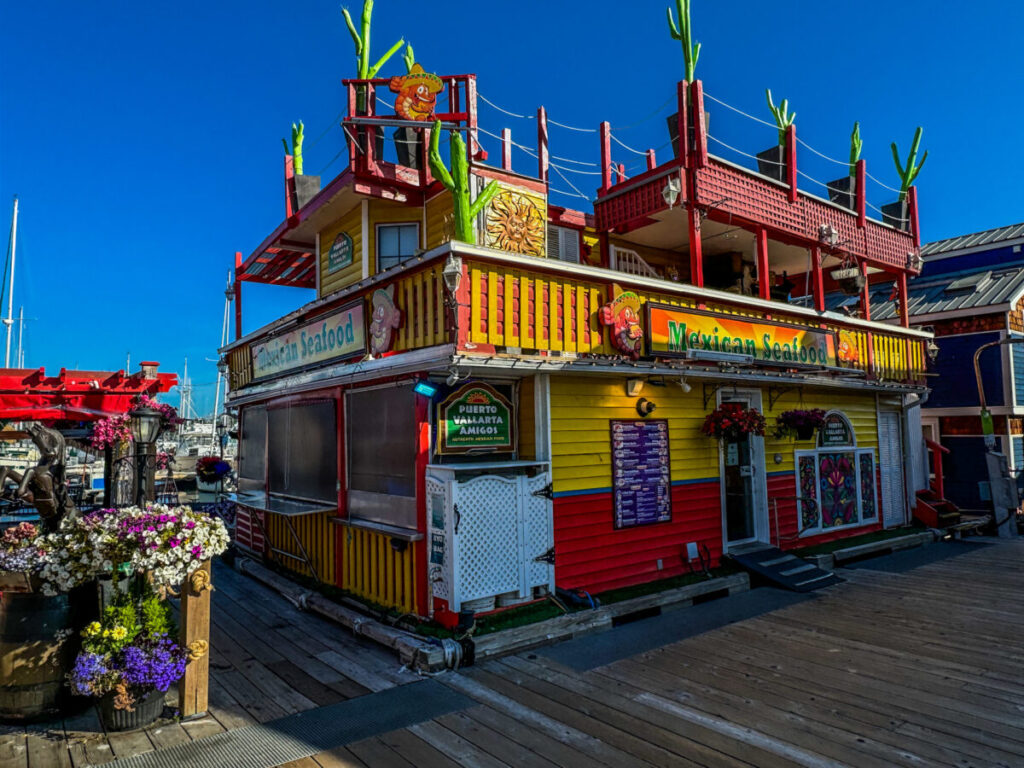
[(915, 228), (861, 193), (471, 118), (290, 199), (700, 138), (652, 161), (763, 286), (791, 162), (696, 249), (193, 689), (542, 144), (606, 156), (353, 147), (506, 149), (865, 293), (817, 279), (237, 283), (621, 170), (901, 284), (682, 124)]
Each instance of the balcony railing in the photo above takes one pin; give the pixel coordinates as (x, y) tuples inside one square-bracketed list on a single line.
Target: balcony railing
[(523, 305)]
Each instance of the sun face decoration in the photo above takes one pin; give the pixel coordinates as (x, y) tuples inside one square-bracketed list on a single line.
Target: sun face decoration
[(515, 223)]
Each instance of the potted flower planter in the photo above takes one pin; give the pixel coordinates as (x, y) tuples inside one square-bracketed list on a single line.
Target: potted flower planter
[(895, 215), (772, 163), (408, 142), (804, 432), (842, 191), (851, 280), (147, 709), (673, 129), (306, 188)]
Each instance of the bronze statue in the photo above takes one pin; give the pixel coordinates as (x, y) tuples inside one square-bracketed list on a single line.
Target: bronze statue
[(44, 485)]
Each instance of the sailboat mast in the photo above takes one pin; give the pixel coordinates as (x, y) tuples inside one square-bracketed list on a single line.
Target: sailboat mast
[(228, 295), (9, 321), (20, 357)]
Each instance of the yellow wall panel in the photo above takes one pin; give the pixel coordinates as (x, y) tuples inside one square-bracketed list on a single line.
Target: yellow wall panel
[(583, 407), (353, 273), (440, 224)]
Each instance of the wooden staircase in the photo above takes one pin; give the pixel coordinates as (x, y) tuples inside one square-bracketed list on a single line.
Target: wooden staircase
[(933, 509)]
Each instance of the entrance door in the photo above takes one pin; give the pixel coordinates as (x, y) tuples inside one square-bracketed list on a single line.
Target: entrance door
[(744, 507), (890, 454)]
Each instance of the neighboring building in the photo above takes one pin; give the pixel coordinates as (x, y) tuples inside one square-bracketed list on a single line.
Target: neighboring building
[(970, 292), (450, 425)]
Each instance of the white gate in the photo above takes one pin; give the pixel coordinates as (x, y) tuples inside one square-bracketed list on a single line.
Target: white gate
[(890, 454), (489, 534)]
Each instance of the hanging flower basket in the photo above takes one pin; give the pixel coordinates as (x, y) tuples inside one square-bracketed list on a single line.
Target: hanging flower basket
[(799, 423), (731, 422)]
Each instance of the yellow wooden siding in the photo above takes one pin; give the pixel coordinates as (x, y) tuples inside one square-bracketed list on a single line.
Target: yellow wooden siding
[(239, 367), (420, 297), (316, 533), (527, 430), (582, 408), (351, 223), (439, 220), (372, 569), (593, 258)]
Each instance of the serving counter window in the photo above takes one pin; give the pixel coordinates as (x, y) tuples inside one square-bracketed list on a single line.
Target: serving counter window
[(252, 449), (302, 451), (381, 449)]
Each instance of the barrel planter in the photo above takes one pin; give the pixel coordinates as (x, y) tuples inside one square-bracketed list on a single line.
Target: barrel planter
[(145, 711), (39, 639)]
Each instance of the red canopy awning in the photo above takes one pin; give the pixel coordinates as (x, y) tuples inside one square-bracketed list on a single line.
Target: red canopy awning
[(28, 394)]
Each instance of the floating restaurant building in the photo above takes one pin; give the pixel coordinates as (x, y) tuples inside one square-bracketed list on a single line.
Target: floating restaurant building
[(492, 395)]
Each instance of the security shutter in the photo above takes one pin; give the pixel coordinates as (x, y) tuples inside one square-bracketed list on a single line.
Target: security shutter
[(563, 244)]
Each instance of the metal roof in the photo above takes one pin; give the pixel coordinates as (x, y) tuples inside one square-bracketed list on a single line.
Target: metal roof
[(988, 237), (947, 293)]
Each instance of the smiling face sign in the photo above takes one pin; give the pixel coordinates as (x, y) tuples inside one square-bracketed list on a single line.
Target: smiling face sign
[(385, 318), (417, 94)]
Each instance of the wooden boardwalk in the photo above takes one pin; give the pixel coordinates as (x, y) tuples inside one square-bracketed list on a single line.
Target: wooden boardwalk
[(268, 660), (907, 667), (920, 668)]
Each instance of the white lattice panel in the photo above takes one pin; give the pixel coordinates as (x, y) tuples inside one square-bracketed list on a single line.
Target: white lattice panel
[(539, 534), (487, 549), (439, 544)]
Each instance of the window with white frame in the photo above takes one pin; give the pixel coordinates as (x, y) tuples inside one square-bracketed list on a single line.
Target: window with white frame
[(836, 483), (396, 243), (563, 244)]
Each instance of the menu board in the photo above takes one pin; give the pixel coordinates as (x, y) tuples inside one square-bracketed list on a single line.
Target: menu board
[(641, 489)]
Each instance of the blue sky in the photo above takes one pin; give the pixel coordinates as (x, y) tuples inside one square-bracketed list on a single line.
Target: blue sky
[(144, 139)]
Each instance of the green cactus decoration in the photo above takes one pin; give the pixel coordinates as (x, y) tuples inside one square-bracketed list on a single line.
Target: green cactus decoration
[(362, 42), (681, 33), (409, 58), (457, 182), (296, 148), (783, 117), (909, 173), (855, 147)]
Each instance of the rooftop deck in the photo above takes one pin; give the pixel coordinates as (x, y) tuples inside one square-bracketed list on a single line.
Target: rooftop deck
[(914, 660)]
